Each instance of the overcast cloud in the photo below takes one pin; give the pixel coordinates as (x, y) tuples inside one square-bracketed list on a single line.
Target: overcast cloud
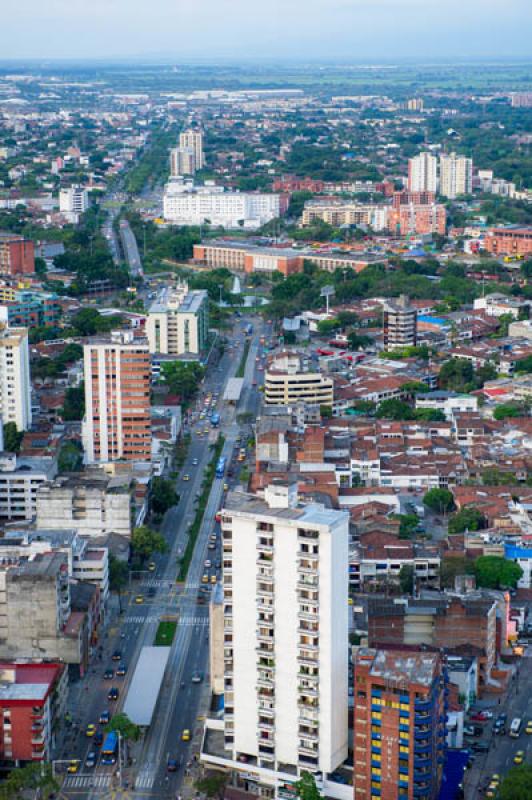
[(370, 30)]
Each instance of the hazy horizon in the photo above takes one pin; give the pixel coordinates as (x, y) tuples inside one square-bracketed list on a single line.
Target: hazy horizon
[(304, 30)]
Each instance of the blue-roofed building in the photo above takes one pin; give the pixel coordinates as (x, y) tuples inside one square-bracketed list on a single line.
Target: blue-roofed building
[(523, 557)]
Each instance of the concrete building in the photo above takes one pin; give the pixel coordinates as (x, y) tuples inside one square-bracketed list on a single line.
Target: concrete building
[(20, 478), (421, 219), (287, 383), (73, 202), (400, 324), (185, 204), (398, 724), (117, 423), (178, 321), (36, 619), (33, 701), (337, 214), (456, 175), (450, 403), (15, 385), (91, 503), (496, 304), (193, 140), (216, 640), (17, 255), (182, 161), (286, 642), (512, 240), (423, 173)]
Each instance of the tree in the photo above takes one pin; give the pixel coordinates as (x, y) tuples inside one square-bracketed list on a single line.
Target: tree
[(406, 578), (124, 726), (492, 476), (145, 541), (441, 501), (163, 495), (357, 341), (182, 379), (12, 437), (429, 415), (118, 576), (407, 525), (414, 387), (306, 788), (328, 326), (456, 374), (394, 409), (470, 519), (73, 404), (495, 572), (517, 783), (70, 458), (325, 412), (36, 777), (212, 784), (452, 566), (505, 410)]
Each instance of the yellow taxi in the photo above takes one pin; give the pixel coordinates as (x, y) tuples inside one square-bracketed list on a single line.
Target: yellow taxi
[(519, 757), (152, 566), (139, 599), (205, 579), (213, 578), (185, 736), (73, 765), (90, 730)]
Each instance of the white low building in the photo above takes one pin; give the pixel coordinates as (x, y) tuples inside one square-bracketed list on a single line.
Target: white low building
[(20, 479), (450, 403)]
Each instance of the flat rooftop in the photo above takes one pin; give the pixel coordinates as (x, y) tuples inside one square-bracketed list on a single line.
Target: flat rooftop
[(400, 667), (311, 514)]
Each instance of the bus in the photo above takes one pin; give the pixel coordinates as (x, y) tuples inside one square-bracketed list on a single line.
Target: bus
[(249, 330), (220, 467), (110, 748), (515, 727), (215, 419)]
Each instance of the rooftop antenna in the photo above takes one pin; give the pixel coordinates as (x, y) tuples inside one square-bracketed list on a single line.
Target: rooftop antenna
[(326, 292)]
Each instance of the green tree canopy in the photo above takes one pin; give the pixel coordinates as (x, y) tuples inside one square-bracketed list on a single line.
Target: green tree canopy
[(32, 777), (452, 566), (145, 541), (212, 784), (406, 578), (468, 518), (394, 409), (118, 576), (124, 726), (495, 572), (441, 501), (182, 378), (505, 410), (163, 495), (306, 787), (517, 783), (407, 525), (70, 458), (73, 404), (12, 437)]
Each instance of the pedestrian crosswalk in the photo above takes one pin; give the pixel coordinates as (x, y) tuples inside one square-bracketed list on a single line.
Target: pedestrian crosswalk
[(144, 781), (140, 620), (186, 619), (87, 781), (189, 620)]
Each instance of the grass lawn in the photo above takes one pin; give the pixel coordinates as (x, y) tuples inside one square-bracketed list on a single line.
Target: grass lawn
[(165, 633)]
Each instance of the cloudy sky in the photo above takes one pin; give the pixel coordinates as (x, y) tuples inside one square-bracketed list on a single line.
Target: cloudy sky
[(309, 29)]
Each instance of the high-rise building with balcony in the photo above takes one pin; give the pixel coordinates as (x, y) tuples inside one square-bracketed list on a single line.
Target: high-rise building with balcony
[(423, 173), (178, 321), (15, 386), (193, 140), (400, 324), (17, 255), (117, 424), (399, 724), (285, 639), (456, 175)]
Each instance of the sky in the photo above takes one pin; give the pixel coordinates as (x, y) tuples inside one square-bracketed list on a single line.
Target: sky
[(371, 30)]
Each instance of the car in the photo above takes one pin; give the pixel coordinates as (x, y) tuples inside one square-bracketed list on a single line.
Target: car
[(205, 579), (171, 765), (218, 563), (212, 537), (117, 656), (205, 430), (197, 677), (207, 563), (152, 566), (211, 546), (113, 693), (480, 747), (105, 716), (195, 462), (478, 717), (139, 599), (121, 671), (73, 765), (108, 675), (528, 728), (226, 487), (90, 730), (185, 736), (499, 728), (519, 757), (213, 579), (186, 476), (469, 730), (91, 759)]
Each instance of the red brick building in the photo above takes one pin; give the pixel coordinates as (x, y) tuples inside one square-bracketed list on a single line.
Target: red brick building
[(17, 255), (32, 698), (398, 724), (511, 241), (422, 218)]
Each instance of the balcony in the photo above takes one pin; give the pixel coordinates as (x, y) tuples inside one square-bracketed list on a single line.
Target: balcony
[(311, 737), (308, 616), (266, 608), (267, 638), (420, 749), (422, 790), (307, 691), (265, 548), (312, 585), (265, 651), (265, 592), (266, 710), (265, 683), (308, 569), (307, 750), (422, 733), (266, 725), (422, 705), (423, 763), (422, 719)]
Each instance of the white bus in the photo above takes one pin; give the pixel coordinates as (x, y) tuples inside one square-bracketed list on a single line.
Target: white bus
[(515, 727)]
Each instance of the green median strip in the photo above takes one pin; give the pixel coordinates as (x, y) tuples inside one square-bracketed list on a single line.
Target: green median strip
[(200, 511), (165, 633), (242, 367)]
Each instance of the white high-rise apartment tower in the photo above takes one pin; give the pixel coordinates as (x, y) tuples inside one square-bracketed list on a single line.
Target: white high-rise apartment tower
[(193, 140), (285, 573), (456, 175), (423, 173), (15, 385)]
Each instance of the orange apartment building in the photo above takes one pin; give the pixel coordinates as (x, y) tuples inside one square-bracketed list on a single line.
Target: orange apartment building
[(510, 241), (17, 255), (117, 424), (398, 724)]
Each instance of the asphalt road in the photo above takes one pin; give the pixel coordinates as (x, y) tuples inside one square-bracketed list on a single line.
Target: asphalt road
[(180, 701), (131, 251)]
